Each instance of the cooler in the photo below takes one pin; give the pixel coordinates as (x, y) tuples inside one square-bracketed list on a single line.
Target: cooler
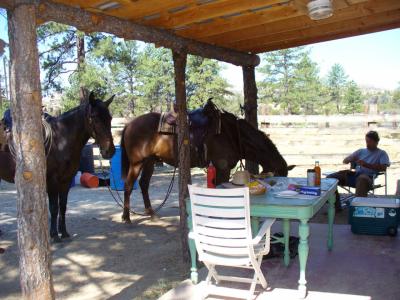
[(374, 216), (116, 181)]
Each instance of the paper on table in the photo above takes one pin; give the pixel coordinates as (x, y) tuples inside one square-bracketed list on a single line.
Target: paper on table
[(294, 195)]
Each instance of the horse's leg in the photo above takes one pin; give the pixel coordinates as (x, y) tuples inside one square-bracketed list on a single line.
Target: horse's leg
[(133, 174), (63, 198), (222, 175), (144, 182), (53, 207)]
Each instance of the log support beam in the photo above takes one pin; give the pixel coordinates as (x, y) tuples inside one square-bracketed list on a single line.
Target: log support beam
[(250, 106), (183, 145), (30, 179), (95, 22)]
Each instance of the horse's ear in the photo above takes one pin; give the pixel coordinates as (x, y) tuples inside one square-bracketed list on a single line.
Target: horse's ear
[(108, 102), (92, 99)]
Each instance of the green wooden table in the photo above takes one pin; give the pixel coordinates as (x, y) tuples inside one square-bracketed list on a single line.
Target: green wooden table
[(269, 205)]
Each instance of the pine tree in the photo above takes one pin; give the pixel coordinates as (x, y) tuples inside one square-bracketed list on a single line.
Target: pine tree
[(337, 80), (307, 84), (352, 98), (279, 72)]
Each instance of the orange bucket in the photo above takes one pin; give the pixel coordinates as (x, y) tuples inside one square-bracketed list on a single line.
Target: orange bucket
[(90, 181)]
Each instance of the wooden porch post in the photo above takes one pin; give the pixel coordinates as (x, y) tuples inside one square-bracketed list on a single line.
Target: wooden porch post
[(250, 105), (30, 179), (183, 146)]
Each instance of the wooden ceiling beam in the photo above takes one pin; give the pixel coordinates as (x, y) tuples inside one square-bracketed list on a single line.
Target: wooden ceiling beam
[(139, 10), (326, 38), (392, 22), (301, 22), (91, 22), (130, 10), (221, 26), (278, 30), (198, 13)]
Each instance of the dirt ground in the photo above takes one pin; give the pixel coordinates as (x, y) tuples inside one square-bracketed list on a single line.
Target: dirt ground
[(105, 258)]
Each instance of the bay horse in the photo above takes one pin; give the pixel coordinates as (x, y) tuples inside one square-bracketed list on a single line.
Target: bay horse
[(227, 140), (70, 133)]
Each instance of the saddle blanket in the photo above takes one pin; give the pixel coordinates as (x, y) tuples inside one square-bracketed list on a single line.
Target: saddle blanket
[(164, 127)]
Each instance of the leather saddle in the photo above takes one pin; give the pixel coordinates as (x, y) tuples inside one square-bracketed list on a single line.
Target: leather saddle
[(198, 123)]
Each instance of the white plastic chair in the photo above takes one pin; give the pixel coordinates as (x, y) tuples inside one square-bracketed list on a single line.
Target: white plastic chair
[(223, 237)]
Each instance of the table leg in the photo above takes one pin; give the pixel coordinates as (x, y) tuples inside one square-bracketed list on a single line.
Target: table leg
[(304, 231), (286, 236), (193, 254), (331, 217)]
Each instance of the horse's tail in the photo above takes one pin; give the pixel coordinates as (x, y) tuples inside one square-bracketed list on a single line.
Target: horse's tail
[(124, 157)]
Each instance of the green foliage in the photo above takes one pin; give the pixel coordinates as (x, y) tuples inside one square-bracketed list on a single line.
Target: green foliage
[(204, 82), (279, 81), (155, 80), (352, 98), (57, 50), (308, 87), (142, 77), (337, 80)]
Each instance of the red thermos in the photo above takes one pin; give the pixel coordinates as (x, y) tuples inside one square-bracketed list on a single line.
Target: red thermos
[(211, 176)]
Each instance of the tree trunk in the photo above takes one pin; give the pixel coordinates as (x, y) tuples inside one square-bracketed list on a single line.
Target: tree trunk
[(30, 178), (5, 76), (80, 48), (80, 54), (183, 146), (1, 94), (250, 103)]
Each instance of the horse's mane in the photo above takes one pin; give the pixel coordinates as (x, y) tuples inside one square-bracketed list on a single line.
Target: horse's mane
[(260, 139), (70, 112)]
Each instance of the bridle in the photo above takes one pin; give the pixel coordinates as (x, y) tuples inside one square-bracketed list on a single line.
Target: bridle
[(89, 116)]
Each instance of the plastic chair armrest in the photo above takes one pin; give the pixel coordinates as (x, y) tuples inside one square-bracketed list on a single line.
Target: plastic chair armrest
[(192, 235), (266, 225)]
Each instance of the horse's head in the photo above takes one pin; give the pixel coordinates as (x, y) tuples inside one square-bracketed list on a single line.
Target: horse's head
[(99, 123)]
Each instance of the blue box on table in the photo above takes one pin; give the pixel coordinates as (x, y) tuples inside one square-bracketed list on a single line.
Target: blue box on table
[(374, 216)]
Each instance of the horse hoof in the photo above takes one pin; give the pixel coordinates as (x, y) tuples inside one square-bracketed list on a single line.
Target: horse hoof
[(65, 235), (56, 239), (126, 219), (149, 211)]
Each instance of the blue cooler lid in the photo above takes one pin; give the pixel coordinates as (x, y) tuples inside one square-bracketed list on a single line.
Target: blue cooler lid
[(376, 202)]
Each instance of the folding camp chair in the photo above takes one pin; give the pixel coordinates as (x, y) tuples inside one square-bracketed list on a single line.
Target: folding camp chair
[(223, 236), (375, 185)]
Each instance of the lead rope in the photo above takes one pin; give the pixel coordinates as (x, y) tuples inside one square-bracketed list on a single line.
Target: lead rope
[(118, 200), (240, 145)]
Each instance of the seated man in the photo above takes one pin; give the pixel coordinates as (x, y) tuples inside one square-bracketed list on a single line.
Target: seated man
[(369, 161)]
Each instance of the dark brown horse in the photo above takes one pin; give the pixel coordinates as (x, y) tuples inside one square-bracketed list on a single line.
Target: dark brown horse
[(227, 140), (70, 133)]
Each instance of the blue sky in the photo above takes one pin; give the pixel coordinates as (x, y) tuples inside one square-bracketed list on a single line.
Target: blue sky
[(370, 60)]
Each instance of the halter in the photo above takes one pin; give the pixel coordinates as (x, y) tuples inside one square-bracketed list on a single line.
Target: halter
[(92, 131)]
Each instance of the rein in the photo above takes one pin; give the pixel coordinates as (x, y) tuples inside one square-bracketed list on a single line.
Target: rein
[(240, 143), (48, 140)]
